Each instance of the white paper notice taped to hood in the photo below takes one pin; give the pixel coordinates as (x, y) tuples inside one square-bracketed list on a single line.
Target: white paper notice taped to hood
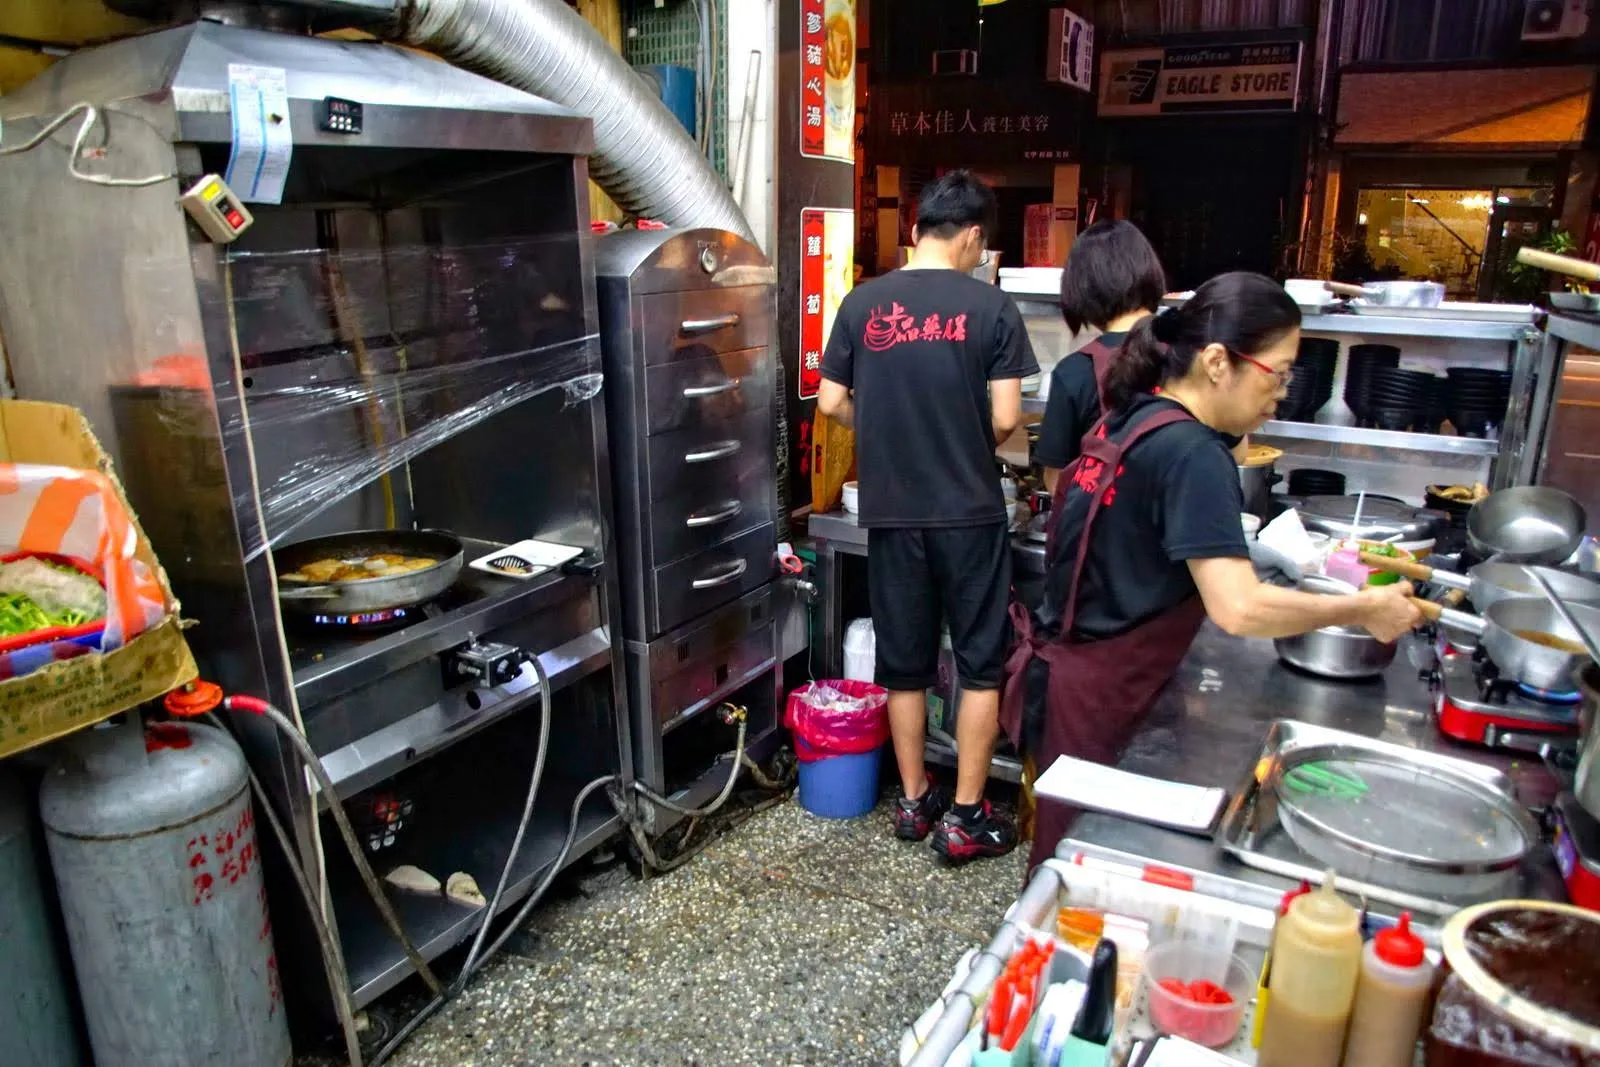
[(258, 165)]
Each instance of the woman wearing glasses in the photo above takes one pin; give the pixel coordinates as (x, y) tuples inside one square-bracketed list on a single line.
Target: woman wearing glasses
[(1146, 542)]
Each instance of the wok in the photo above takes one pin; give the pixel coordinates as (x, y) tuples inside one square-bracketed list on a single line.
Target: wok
[(366, 595), (1489, 583), (1393, 294), (1520, 659), (1528, 524)]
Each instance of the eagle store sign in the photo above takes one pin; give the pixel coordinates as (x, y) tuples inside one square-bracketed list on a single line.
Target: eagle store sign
[(1263, 76)]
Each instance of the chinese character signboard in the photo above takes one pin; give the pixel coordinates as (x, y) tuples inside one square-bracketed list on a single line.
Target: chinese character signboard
[(1174, 81), (827, 251), (1071, 58), (828, 79), (964, 123)]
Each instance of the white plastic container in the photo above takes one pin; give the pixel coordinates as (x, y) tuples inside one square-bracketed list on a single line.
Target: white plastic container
[(1252, 525), (852, 498), (860, 651)]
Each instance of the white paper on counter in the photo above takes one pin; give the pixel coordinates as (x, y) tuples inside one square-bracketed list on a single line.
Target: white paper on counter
[(258, 165), (1192, 808)]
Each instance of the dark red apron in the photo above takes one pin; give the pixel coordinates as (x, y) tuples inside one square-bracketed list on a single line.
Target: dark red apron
[(1093, 693)]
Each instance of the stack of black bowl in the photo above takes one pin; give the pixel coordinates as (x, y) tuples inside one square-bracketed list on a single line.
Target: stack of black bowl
[(1438, 405), (1398, 399), (1362, 361), (1476, 399), (1309, 481), (1311, 384)]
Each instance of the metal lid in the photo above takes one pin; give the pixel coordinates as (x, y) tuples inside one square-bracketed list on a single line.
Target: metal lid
[(1381, 517)]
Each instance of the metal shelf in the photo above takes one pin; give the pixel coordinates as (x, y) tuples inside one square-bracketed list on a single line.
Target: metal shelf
[(1416, 326), (1585, 332), (1390, 439)]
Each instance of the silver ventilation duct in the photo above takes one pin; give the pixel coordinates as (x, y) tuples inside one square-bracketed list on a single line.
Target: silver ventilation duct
[(644, 159)]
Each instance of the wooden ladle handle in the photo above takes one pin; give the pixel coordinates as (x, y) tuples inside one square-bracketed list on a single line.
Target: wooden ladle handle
[(1430, 611), (1405, 568), (1569, 265), (1346, 289)]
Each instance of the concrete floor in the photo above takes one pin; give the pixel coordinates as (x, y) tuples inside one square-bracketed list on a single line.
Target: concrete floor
[(791, 940)]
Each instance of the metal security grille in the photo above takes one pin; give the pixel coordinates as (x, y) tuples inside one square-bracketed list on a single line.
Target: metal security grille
[(671, 34)]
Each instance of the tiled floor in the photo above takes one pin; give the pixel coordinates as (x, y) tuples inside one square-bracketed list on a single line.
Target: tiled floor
[(792, 940)]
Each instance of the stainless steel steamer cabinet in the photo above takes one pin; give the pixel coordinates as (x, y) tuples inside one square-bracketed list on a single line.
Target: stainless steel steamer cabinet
[(687, 331)]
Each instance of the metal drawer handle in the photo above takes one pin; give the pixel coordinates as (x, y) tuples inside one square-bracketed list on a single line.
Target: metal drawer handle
[(717, 451), (728, 511), (695, 392), (728, 574), (695, 327)]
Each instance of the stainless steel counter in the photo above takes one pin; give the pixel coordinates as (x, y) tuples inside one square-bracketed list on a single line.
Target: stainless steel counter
[(1208, 728)]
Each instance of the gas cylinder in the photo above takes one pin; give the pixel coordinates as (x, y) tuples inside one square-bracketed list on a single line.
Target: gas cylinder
[(36, 1016), (153, 842)]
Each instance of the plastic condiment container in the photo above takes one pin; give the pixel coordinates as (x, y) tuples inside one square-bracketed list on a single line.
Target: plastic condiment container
[(1517, 987), (1205, 1022), (1316, 958), (1391, 995)]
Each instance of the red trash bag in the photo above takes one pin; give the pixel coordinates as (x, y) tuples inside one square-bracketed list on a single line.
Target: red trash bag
[(837, 717)]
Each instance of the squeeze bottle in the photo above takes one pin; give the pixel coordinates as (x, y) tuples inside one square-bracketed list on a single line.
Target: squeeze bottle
[(1316, 958), (1390, 997)]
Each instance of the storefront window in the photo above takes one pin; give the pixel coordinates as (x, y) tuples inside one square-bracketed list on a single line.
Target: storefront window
[(1442, 235)]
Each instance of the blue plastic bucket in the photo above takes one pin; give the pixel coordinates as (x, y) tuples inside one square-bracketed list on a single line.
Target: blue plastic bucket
[(840, 787)]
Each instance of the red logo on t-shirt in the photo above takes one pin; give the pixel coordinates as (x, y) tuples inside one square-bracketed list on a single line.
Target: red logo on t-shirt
[(884, 330)]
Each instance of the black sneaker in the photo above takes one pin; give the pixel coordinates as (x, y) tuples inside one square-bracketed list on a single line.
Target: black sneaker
[(915, 819), (987, 835)]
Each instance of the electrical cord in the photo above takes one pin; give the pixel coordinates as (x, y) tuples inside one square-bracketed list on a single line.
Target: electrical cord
[(477, 956), (332, 955), (91, 115), (522, 828), (313, 762)]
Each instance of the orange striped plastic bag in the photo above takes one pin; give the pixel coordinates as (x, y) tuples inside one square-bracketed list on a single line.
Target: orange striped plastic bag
[(77, 516)]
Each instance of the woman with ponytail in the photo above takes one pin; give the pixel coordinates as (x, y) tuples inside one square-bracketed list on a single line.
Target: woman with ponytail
[(1146, 541), (1112, 281)]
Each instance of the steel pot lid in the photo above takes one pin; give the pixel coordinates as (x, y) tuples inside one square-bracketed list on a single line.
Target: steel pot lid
[(1381, 518)]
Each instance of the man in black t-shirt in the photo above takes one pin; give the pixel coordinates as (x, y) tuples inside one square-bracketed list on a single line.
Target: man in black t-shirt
[(927, 364)]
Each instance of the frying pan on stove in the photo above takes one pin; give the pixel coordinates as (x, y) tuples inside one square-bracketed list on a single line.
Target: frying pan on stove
[(1526, 524), (366, 595), (1528, 640)]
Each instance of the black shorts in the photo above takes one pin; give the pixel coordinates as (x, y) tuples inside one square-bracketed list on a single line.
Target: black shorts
[(920, 577)]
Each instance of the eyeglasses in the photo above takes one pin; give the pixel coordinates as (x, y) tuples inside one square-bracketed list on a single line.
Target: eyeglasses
[(1282, 377)]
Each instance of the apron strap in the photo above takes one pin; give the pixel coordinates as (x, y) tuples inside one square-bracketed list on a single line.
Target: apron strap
[(1108, 455), (1102, 356)]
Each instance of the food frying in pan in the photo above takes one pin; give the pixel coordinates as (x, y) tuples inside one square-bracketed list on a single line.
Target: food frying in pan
[(1549, 640), (361, 568)]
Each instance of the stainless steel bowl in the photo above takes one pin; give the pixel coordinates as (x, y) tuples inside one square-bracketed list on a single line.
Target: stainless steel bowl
[(1344, 653)]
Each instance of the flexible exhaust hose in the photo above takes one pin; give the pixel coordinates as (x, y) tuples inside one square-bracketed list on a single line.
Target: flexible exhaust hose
[(644, 159)]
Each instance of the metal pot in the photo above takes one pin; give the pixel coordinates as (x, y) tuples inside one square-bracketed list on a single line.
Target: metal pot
[(1382, 518), (1586, 784), (1256, 484), (1340, 652), (1393, 294), (1528, 524)]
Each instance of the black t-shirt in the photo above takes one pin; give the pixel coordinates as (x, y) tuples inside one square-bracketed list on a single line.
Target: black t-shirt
[(919, 347), (1072, 408), (1177, 498)]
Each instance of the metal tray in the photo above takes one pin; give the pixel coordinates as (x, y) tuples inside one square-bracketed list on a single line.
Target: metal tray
[(1251, 830)]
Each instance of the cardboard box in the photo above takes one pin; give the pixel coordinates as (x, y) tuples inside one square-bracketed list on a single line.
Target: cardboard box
[(79, 692)]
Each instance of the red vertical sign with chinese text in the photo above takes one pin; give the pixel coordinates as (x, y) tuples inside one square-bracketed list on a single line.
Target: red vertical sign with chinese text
[(813, 283), (813, 77)]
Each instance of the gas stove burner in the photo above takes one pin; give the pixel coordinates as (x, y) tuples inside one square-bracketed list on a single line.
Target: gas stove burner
[(1549, 696), (372, 620), (1474, 704)]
